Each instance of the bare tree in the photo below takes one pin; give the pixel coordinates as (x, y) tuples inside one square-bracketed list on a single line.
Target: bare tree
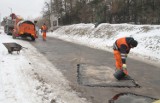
[(46, 13)]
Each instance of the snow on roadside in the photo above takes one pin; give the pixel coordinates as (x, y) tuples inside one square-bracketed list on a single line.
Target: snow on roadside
[(23, 77)]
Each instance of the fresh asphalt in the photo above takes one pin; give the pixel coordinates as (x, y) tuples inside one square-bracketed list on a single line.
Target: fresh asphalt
[(65, 56)]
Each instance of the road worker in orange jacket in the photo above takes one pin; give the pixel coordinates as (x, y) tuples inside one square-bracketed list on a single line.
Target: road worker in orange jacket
[(44, 30), (121, 48)]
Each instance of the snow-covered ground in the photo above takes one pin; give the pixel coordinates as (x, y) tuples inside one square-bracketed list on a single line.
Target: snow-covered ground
[(103, 37), (22, 76)]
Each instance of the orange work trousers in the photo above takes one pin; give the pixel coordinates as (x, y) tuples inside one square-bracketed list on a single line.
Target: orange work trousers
[(118, 59), (117, 56), (44, 35)]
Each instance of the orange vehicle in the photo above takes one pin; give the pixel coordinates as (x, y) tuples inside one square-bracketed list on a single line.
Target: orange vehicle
[(23, 28)]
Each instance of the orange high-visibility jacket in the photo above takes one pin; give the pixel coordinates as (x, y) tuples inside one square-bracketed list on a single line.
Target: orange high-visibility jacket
[(44, 28), (122, 45), (122, 41)]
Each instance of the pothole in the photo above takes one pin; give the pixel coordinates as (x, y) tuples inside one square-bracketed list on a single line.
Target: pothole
[(101, 76), (131, 98)]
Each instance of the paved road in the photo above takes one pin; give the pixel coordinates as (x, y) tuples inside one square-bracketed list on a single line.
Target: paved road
[(65, 56)]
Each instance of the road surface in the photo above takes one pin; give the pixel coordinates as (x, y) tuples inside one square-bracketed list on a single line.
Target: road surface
[(65, 56)]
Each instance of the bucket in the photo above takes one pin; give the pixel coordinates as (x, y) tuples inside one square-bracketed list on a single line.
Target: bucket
[(119, 74)]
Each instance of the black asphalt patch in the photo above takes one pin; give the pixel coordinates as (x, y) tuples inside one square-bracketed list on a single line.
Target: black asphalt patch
[(131, 98), (101, 76)]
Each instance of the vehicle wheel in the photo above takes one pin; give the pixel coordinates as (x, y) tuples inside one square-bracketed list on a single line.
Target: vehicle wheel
[(9, 34), (33, 39)]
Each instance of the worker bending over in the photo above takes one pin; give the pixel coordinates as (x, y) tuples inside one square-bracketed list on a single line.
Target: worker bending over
[(121, 48)]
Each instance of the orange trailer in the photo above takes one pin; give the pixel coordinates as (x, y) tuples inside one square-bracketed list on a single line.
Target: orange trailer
[(25, 29)]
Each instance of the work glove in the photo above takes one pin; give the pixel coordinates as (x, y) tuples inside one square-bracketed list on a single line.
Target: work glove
[(124, 67)]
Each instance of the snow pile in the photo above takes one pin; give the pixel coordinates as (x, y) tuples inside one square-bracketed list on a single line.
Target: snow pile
[(103, 36)]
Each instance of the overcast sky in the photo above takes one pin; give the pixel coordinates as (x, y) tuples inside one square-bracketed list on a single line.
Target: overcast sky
[(24, 8)]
